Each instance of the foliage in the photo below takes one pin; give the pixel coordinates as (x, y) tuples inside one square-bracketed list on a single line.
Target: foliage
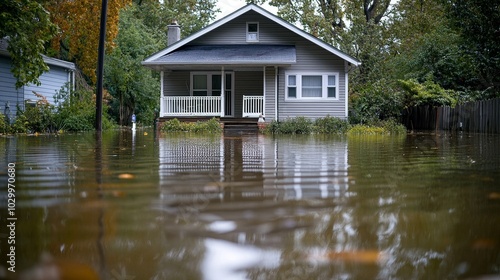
[(40, 118), (298, 125), (4, 128), (330, 125), (427, 93), (192, 15), (78, 36), (361, 129), (26, 26), (375, 101), (478, 23), (174, 125), (133, 87), (21, 123), (76, 110)]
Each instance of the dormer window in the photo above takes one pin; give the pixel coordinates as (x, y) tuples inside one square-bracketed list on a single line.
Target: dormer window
[(252, 31)]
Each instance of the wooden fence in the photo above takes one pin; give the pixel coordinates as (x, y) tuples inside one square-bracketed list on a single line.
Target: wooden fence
[(479, 116)]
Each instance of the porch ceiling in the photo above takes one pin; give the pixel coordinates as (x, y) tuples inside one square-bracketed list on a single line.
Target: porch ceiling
[(202, 57)]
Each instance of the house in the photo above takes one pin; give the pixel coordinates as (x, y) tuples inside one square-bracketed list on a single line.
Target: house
[(60, 73), (251, 63)]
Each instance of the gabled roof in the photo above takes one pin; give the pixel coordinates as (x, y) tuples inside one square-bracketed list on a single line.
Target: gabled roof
[(251, 7)]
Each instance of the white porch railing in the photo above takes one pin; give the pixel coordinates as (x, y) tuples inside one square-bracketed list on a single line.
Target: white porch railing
[(253, 106), (191, 106)]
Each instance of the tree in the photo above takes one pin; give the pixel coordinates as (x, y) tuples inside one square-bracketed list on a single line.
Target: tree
[(78, 22), (133, 87), (27, 27), (478, 23), (143, 31)]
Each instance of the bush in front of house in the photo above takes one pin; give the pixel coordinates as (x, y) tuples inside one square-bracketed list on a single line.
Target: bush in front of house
[(4, 128), (332, 125), (175, 125)]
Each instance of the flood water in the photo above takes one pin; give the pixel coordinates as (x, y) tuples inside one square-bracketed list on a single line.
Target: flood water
[(181, 206)]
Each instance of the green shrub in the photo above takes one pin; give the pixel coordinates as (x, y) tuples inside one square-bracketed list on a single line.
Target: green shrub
[(40, 118), (21, 123), (374, 102), (4, 128), (394, 127), (174, 125), (75, 111), (298, 125), (427, 93), (330, 125)]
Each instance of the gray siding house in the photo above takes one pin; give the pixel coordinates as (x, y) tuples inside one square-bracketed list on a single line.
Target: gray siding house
[(251, 63), (60, 73)]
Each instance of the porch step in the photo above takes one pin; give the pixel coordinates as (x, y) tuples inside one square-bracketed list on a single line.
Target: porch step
[(240, 124)]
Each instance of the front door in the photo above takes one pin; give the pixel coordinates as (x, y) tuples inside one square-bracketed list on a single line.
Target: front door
[(228, 94)]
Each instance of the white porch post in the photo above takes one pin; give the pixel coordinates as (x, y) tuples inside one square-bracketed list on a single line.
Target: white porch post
[(264, 93), (346, 94), (162, 104), (276, 93), (222, 93)]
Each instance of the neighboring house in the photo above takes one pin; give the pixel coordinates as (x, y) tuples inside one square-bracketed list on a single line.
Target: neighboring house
[(251, 63), (61, 72)]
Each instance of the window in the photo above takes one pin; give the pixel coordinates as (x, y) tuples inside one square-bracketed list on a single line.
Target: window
[(252, 31), (200, 87), (209, 83), (311, 86)]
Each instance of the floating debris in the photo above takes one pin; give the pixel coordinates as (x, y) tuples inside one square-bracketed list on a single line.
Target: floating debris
[(126, 176)]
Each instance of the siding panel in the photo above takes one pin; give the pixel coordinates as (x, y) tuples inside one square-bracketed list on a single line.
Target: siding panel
[(176, 83), (8, 93), (51, 82)]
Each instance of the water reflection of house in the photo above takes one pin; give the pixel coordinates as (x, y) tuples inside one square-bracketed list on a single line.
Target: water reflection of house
[(254, 166)]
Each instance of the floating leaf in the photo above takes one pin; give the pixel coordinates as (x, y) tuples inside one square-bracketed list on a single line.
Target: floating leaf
[(126, 176), (351, 256)]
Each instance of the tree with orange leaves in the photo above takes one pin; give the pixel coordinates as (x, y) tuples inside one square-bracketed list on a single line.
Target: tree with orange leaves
[(78, 36)]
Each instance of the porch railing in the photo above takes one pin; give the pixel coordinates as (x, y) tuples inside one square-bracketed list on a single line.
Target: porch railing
[(253, 106), (191, 106)]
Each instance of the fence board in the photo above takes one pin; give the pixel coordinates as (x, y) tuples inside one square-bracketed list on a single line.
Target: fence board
[(480, 117)]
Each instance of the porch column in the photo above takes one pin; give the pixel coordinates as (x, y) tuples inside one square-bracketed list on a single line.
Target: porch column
[(276, 93), (346, 93), (162, 105), (222, 93), (264, 92)]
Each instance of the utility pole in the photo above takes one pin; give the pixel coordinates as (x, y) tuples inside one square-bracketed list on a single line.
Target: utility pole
[(100, 67)]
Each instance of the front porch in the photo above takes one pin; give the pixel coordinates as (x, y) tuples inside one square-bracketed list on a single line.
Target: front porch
[(209, 106)]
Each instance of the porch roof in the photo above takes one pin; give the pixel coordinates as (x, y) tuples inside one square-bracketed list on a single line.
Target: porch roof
[(244, 55)]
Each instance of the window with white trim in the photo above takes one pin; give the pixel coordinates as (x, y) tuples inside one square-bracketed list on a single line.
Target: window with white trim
[(209, 83), (252, 31), (311, 86)]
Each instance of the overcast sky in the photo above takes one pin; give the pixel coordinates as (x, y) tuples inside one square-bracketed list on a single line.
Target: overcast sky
[(229, 6)]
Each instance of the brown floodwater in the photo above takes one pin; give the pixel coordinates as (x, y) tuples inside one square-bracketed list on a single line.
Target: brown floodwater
[(182, 206)]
